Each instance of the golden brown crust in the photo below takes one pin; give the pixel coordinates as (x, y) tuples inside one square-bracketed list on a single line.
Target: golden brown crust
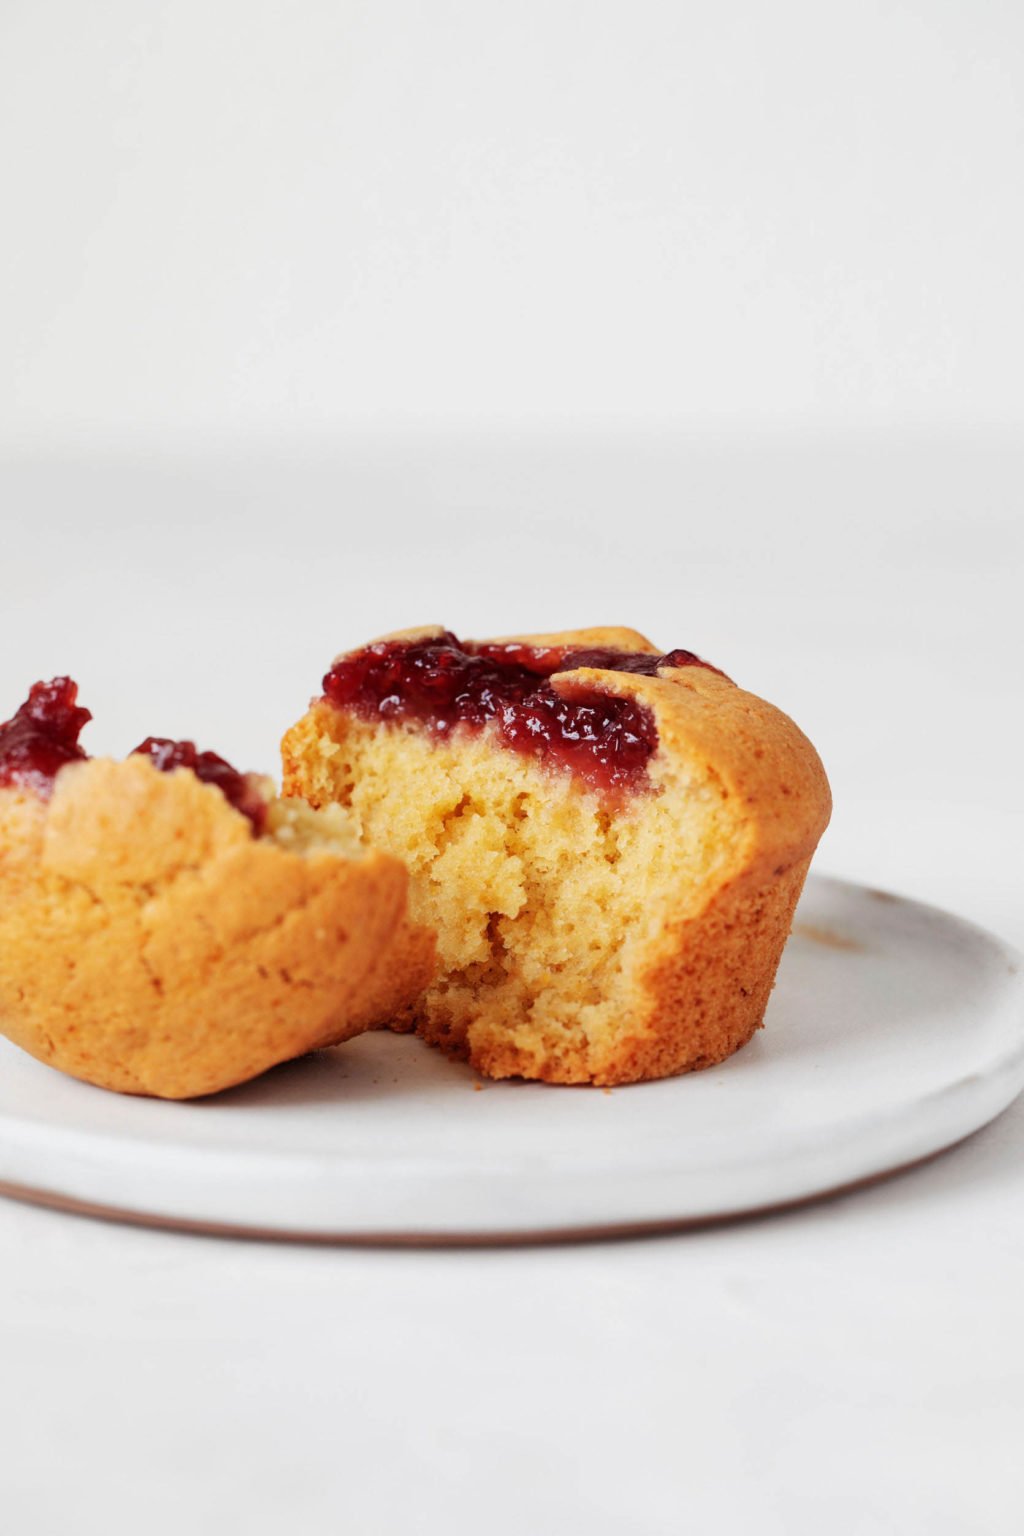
[(710, 975), (699, 1001), (709, 966), (150, 944), (614, 637), (762, 757), (767, 768)]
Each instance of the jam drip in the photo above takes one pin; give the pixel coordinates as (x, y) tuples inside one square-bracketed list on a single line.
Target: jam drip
[(441, 682), (237, 788), (37, 742)]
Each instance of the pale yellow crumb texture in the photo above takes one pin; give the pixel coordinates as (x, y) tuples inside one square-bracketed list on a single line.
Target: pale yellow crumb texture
[(581, 941)]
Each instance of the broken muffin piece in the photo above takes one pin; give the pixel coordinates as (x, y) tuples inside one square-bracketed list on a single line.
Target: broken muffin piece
[(169, 927), (609, 841)]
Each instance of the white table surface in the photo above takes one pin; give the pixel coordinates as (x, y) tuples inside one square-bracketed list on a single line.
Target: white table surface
[(853, 1367)]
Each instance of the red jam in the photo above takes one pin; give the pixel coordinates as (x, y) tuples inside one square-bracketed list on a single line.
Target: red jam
[(37, 742), (42, 737), (237, 788), (442, 682)]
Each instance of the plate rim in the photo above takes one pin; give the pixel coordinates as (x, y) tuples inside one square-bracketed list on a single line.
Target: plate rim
[(984, 1091)]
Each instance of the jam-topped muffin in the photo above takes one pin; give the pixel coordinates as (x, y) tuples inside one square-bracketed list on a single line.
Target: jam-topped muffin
[(608, 840), (169, 927)]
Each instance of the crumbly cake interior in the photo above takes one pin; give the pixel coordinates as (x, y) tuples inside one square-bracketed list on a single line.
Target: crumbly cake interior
[(299, 828), (543, 893)]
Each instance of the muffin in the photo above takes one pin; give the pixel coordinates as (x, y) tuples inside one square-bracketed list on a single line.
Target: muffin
[(609, 842), (169, 927)]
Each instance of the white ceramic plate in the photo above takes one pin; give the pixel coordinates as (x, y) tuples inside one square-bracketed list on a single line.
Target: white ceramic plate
[(894, 1031)]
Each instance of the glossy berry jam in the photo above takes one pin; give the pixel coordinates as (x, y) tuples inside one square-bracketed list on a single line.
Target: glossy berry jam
[(442, 683), (42, 737), (37, 742), (237, 788)]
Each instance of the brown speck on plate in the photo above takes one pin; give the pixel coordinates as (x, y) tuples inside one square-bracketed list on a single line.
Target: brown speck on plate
[(828, 937)]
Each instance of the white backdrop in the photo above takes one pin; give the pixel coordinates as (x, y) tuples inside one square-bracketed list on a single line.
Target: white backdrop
[(259, 216), (322, 319)]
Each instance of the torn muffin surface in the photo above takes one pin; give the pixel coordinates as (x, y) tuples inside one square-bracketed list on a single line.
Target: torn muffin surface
[(610, 904)]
